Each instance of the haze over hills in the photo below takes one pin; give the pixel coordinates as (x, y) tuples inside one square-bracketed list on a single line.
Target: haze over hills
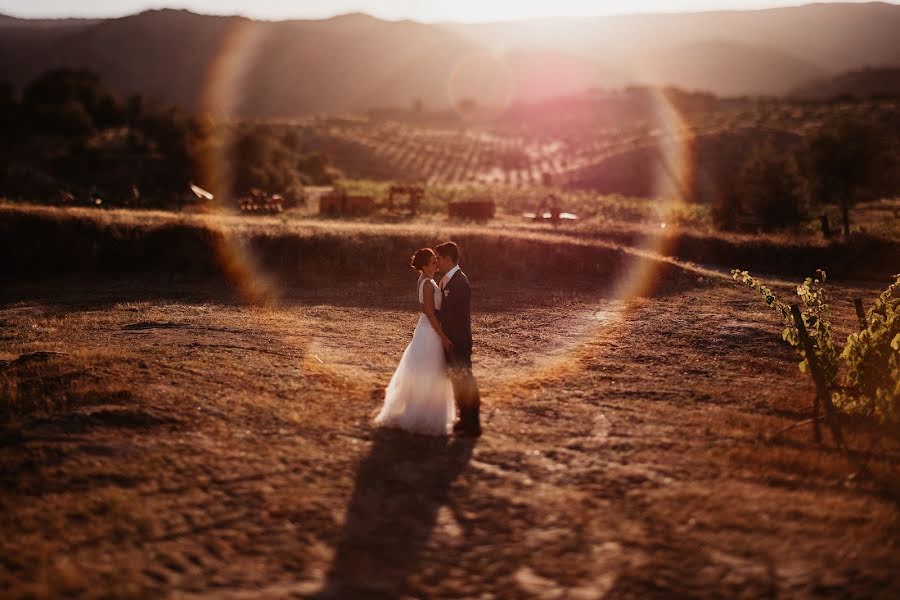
[(834, 36), (355, 62)]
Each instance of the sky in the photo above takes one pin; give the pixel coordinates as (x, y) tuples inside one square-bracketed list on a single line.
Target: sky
[(418, 10)]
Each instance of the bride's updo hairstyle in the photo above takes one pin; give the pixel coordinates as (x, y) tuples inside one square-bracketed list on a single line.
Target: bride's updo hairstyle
[(421, 258)]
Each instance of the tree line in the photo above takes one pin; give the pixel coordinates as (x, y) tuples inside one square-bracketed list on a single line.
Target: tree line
[(846, 160), (67, 138)]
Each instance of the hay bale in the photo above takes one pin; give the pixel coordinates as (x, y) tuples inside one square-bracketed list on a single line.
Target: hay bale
[(472, 209), (339, 204), (331, 203), (359, 205)]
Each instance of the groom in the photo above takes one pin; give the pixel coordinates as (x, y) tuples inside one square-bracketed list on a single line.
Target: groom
[(456, 321)]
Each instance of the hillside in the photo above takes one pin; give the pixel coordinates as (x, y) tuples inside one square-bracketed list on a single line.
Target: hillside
[(726, 67), (863, 83), (7, 21), (337, 65), (356, 62)]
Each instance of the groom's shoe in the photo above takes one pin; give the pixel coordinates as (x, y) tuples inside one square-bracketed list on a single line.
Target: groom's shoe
[(475, 427), (469, 424), (471, 430)]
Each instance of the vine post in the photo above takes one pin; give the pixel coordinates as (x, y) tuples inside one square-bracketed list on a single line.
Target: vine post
[(823, 396), (860, 314)]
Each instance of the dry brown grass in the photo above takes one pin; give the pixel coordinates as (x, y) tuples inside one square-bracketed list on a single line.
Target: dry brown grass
[(182, 443)]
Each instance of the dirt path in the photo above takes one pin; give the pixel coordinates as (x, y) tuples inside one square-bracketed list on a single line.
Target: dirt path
[(193, 448)]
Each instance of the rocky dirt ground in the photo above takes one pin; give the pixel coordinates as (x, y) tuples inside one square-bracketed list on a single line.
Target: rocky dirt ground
[(170, 442)]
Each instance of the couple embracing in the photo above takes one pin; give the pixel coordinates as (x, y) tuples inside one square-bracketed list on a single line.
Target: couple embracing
[(434, 380)]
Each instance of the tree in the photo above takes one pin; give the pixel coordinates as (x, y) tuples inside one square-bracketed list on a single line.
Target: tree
[(315, 168), (844, 157), (70, 102), (772, 188), (134, 109), (721, 187)]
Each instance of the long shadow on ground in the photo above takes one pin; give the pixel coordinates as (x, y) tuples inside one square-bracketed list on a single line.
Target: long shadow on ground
[(400, 487)]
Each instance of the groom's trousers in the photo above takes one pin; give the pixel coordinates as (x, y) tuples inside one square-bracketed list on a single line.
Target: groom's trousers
[(465, 388)]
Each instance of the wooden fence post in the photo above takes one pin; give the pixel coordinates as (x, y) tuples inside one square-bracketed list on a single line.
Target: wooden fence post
[(823, 395), (860, 314)]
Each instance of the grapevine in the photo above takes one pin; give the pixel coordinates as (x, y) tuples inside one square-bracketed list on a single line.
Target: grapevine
[(870, 357)]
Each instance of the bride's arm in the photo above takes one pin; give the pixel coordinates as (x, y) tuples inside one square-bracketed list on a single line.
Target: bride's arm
[(428, 309)]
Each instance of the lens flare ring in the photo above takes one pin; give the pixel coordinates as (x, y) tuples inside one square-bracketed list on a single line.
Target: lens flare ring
[(485, 78)]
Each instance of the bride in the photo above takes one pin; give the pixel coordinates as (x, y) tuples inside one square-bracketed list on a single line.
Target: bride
[(419, 397)]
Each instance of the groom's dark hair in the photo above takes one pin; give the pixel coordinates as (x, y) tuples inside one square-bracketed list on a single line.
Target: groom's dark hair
[(448, 250)]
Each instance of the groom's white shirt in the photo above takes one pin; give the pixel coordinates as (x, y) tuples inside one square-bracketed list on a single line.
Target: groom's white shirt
[(449, 274)]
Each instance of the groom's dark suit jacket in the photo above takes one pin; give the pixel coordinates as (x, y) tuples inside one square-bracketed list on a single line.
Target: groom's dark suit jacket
[(455, 317)]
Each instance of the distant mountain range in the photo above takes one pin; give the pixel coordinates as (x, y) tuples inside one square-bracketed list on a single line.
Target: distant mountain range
[(355, 62)]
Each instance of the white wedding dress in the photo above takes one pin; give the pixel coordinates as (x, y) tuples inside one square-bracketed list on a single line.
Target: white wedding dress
[(419, 397)]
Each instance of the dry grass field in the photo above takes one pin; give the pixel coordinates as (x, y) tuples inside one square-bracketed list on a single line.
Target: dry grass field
[(206, 223), (162, 437)]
